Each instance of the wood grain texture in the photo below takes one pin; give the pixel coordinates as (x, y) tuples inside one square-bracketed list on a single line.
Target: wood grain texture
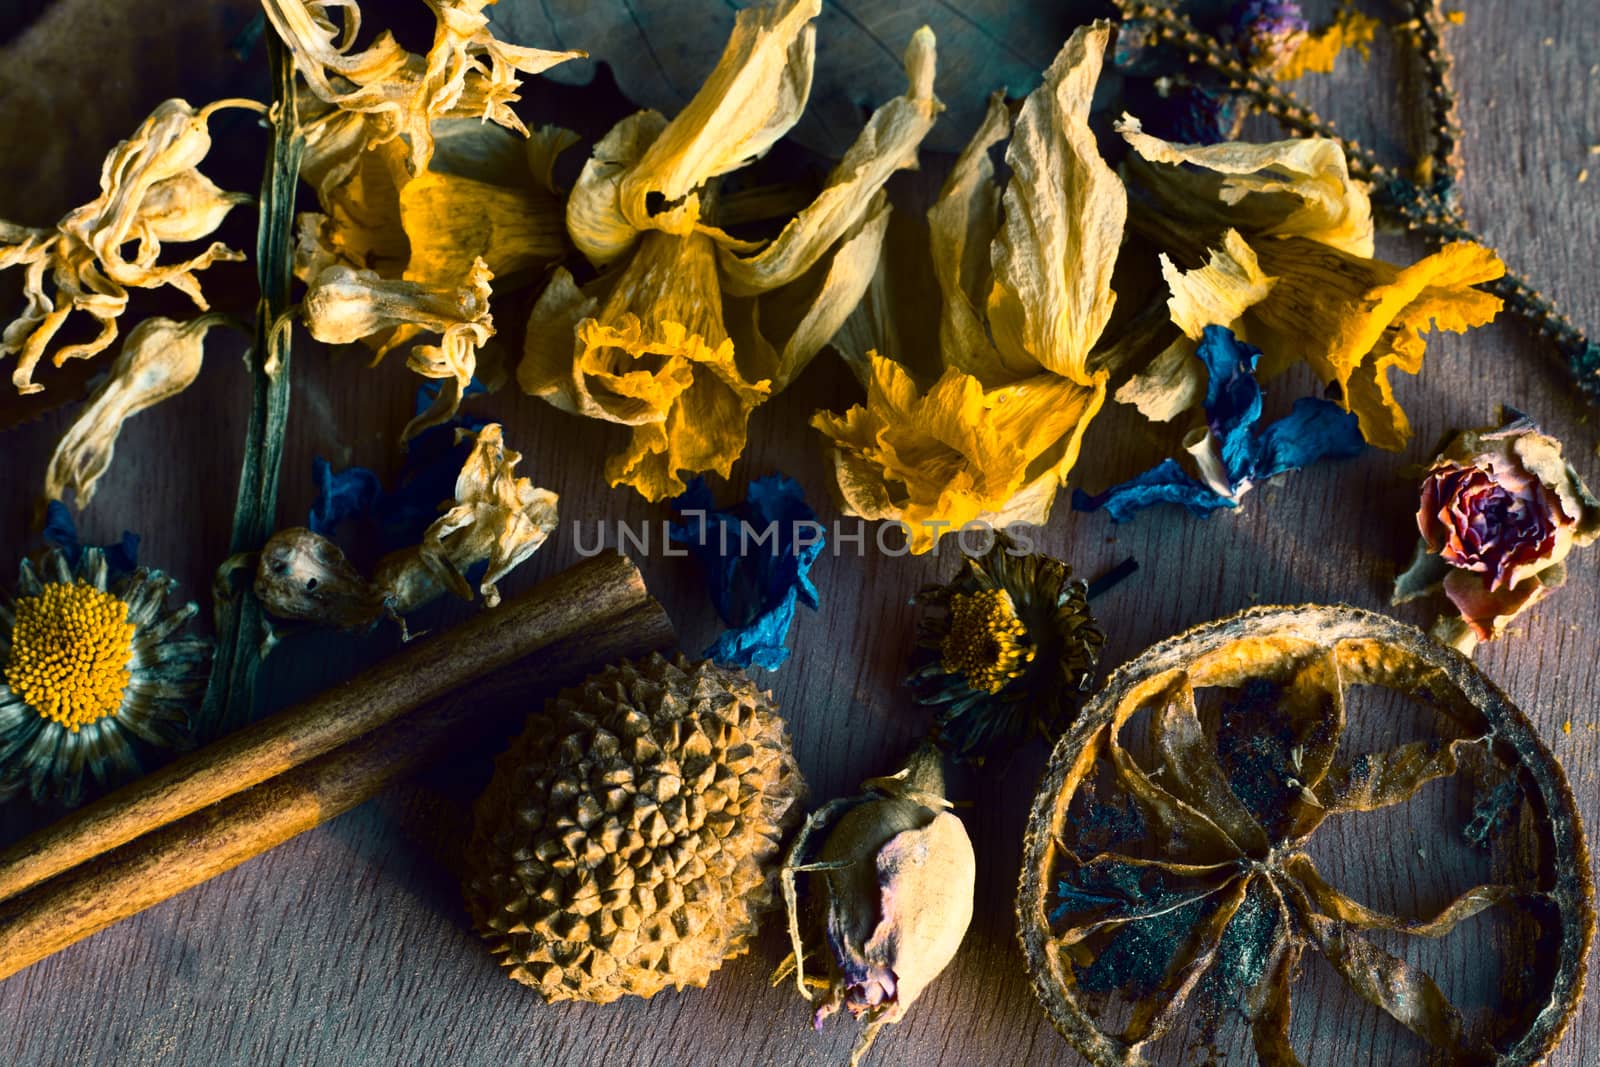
[(349, 945)]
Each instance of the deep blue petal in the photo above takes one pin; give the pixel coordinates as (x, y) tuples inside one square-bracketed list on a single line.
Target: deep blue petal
[(1316, 429), (1165, 483), (1233, 399), (757, 557), (341, 495), (61, 532)]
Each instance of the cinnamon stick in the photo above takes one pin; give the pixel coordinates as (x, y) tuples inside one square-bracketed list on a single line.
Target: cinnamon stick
[(427, 669), (181, 855)]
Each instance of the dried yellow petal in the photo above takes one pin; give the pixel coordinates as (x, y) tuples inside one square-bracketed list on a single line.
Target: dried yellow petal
[(159, 360), (1064, 212), (1283, 188)]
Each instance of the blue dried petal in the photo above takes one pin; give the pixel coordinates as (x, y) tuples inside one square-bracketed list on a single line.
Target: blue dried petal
[(61, 531), (341, 495), (754, 584), (1165, 483), (1233, 399), (1316, 429)]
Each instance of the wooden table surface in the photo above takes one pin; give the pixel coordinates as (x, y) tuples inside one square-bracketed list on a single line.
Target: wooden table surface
[(349, 945)]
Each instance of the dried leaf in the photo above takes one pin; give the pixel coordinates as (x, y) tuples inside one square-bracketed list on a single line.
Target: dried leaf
[(159, 360)]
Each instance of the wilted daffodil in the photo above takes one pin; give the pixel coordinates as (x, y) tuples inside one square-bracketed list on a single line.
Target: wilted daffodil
[(1500, 510), (91, 669), (893, 876), (151, 192), (423, 201), (1025, 278), (1286, 237), (497, 520), (690, 328)]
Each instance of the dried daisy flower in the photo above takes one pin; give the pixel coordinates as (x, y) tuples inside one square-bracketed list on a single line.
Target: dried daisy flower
[(150, 192), (680, 338), (895, 874), (89, 669), (497, 520), (425, 193), (1025, 278), (159, 360), (1282, 239), (1006, 652)]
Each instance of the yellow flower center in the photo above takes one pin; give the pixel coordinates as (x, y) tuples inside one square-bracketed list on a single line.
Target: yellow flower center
[(70, 651), (987, 642)]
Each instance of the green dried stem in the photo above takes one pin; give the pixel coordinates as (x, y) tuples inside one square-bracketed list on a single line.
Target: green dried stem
[(230, 698)]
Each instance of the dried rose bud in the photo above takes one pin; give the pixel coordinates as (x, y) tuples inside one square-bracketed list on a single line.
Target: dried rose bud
[(896, 874), (1500, 510)]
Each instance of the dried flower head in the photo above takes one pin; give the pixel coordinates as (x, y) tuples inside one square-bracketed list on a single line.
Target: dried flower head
[(894, 874), (679, 340), (1025, 278), (1283, 239), (150, 192), (1500, 510), (1005, 652), (91, 667)]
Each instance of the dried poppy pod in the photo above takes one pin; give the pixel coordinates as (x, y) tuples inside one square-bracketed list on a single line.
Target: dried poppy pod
[(630, 837), (1166, 879)]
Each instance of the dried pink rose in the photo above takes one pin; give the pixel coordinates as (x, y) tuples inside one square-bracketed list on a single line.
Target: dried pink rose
[(1500, 510)]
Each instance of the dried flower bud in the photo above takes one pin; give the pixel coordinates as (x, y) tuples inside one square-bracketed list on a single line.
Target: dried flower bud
[(304, 576), (897, 875)]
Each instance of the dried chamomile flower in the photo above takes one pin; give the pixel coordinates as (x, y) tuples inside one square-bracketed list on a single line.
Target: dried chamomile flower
[(1025, 278), (1006, 651), (1500, 510), (1170, 879), (894, 876), (1286, 239), (497, 519), (150, 192), (680, 339), (467, 73), (160, 359), (92, 666)]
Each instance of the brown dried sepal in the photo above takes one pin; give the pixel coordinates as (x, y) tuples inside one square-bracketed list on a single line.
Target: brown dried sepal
[(1180, 852)]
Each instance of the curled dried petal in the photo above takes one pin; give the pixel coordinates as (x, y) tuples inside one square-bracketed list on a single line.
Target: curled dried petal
[(159, 360)]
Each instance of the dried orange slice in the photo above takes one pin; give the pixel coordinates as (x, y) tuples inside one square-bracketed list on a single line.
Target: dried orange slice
[(1168, 871)]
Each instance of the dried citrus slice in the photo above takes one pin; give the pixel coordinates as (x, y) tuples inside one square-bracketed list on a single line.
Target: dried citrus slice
[(1168, 870)]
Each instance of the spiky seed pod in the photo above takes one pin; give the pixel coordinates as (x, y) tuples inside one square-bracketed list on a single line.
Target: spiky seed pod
[(630, 836)]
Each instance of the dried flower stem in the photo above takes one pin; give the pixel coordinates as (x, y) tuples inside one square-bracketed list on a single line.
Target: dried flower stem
[(1429, 209), (230, 698)]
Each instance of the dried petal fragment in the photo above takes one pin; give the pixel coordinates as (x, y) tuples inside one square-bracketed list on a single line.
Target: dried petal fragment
[(159, 360)]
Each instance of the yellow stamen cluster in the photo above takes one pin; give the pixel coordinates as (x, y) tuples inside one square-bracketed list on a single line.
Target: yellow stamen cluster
[(987, 642), (70, 651)]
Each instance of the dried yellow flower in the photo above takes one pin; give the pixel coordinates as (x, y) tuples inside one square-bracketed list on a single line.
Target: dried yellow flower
[(467, 73), (652, 343), (150, 192), (1294, 274), (160, 359), (1025, 300)]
